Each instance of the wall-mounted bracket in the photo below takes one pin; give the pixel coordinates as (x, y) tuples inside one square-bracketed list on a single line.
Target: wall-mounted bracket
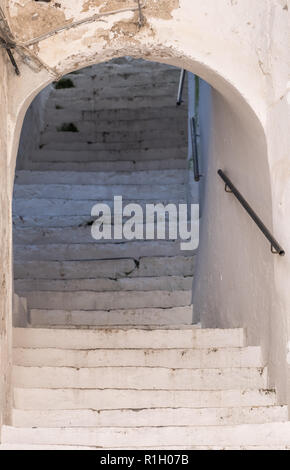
[(227, 189)]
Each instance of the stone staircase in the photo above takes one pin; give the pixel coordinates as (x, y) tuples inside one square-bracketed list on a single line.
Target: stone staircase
[(110, 130), (110, 359), (132, 387)]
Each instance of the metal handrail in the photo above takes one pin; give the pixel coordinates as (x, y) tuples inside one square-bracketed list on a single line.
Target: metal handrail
[(230, 188), (179, 100), (196, 171)]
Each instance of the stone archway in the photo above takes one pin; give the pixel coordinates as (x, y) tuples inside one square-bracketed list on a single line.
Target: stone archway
[(232, 252)]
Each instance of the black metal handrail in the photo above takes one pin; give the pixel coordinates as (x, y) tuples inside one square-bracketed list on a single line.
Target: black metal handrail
[(196, 171), (230, 188), (179, 100)]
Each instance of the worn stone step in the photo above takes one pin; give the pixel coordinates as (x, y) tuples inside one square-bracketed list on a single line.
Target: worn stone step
[(102, 91), (138, 148), (71, 207), (90, 103), (100, 192), (170, 283), (139, 378), (150, 417), (88, 166), (121, 86), (99, 251), (122, 81), (213, 358), (115, 317), (62, 221), (61, 115), (74, 269), (172, 124), (103, 138), (101, 178), (103, 95), (117, 156), (128, 338), (67, 399), (267, 434), (107, 301), (114, 269), (113, 218), (83, 235)]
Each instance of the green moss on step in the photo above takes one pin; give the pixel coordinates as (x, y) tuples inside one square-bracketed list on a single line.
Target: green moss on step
[(68, 127), (64, 83)]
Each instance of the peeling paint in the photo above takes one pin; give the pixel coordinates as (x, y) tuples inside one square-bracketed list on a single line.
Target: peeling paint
[(162, 9), (34, 19)]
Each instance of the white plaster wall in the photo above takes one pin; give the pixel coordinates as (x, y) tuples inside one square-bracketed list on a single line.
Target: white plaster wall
[(32, 126), (241, 48), (235, 279), (5, 255)]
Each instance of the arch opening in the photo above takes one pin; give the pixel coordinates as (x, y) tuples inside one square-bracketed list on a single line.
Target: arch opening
[(95, 143), (232, 138)]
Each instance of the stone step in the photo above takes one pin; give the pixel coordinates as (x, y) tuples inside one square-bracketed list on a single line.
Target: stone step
[(150, 417), (267, 434), (71, 207), (170, 283), (91, 103), (67, 269), (138, 148), (96, 400), (107, 301), (83, 235), (99, 251), (139, 378), (59, 115), (117, 156), (213, 358), (100, 192), (114, 269), (88, 166), (62, 221), (102, 91), (173, 124), (139, 138), (121, 80), (128, 338), (115, 317), (101, 178)]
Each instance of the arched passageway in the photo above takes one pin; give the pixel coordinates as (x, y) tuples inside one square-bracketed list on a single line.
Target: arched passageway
[(235, 283), (232, 139), (112, 135)]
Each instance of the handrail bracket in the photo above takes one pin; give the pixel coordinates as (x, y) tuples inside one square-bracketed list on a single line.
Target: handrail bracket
[(276, 248)]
